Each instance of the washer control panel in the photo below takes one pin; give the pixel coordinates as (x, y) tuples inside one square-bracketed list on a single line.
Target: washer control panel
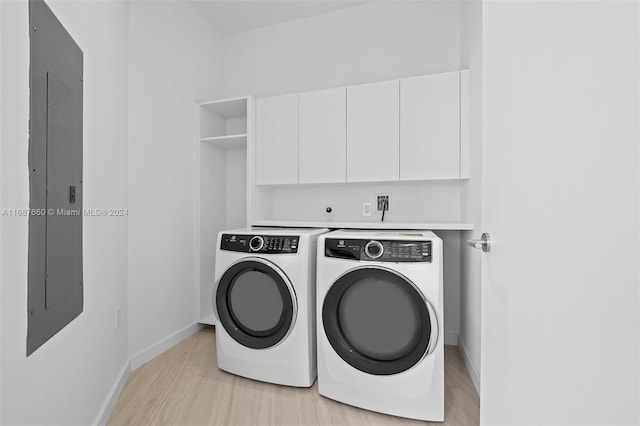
[(379, 250), (267, 244)]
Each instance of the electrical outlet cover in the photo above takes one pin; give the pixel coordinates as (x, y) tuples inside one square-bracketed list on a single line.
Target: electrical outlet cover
[(366, 209)]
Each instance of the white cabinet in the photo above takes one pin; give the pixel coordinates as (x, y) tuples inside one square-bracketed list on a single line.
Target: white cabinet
[(373, 132), (277, 140), (430, 127), (413, 129), (322, 120)]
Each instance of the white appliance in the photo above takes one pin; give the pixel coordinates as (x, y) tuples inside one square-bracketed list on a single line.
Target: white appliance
[(380, 321), (264, 301)]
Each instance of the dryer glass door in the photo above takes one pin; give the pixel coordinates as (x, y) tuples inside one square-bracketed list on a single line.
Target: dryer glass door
[(256, 304), (378, 321)]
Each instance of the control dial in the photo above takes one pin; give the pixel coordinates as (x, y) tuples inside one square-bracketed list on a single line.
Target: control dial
[(373, 249), (256, 243)]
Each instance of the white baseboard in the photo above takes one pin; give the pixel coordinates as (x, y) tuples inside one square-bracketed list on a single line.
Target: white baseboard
[(114, 394), (136, 361), (474, 373), (163, 345), (450, 338)]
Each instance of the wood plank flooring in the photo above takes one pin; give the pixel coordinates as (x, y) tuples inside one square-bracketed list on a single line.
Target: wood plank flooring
[(183, 386)]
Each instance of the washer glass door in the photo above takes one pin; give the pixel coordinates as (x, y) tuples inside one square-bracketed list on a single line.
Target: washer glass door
[(378, 321), (255, 303)]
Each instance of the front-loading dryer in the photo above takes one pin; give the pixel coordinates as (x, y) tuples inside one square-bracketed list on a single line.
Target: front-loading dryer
[(380, 321), (264, 301)]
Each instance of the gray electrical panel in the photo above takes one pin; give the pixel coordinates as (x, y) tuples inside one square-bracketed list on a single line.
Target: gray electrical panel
[(55, 294)]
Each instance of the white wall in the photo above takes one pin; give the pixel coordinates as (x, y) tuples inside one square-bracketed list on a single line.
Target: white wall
[(235, 188), (174, 60), (67, 380), (409, 202), (471, 194), (2, 49), (370, 42)]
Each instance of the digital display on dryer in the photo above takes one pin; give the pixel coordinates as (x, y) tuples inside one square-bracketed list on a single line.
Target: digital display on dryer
[(256, 243), (404, 250), (379, 250)]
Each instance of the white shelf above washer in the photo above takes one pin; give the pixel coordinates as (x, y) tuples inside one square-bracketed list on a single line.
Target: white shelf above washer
[(434, 226)]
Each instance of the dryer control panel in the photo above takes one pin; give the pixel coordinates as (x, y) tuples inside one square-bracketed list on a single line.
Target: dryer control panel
[(266, 244), (379, 250)]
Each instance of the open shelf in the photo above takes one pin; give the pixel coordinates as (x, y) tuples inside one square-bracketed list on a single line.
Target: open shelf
[(228, 108), (224, 122), (228, 141), (223, 128)]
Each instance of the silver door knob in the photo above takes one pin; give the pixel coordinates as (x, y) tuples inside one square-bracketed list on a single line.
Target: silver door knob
[(483, 243)]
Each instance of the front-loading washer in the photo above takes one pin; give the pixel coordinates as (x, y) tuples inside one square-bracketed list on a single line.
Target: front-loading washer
[(380, 321), (264, 301)]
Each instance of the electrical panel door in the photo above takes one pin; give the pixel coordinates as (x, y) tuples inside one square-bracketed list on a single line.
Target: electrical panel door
[(55, 288)]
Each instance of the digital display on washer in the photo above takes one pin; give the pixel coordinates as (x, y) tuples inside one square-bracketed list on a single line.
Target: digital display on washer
[(256, 243), (379, 250)]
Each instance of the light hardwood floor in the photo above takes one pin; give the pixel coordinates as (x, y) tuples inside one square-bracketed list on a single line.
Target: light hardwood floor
[(183, 386)]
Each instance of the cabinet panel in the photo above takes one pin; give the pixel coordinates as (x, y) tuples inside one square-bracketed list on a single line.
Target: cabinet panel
[(430, 127), (277, 140), (322, 136), (373, 132), (63, 264)]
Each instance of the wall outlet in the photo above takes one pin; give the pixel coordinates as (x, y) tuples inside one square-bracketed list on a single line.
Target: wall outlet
[(328, 210), (116, 324), (366, 209), (380, 202)]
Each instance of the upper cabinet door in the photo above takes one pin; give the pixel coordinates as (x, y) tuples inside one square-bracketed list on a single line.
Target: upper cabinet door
[(430, 127), (322, 136), (277, 140), (373, 132)]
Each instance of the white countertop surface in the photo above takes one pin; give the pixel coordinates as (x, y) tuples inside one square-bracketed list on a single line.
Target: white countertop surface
[(454, 226)]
